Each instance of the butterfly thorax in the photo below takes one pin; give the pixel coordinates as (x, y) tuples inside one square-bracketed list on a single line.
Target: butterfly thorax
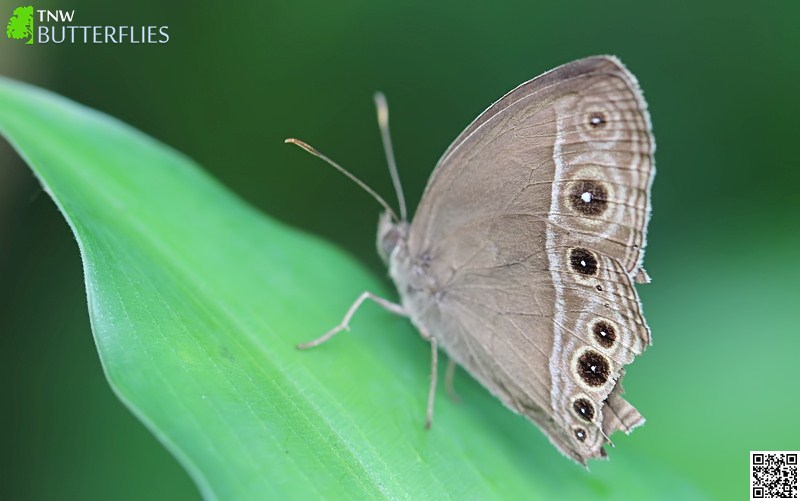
[(417, 288)]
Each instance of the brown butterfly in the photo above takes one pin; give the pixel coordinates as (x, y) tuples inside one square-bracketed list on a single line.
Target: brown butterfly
[(521, 258)]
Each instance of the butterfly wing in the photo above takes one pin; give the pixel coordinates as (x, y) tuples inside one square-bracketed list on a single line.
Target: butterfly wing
[(529, 236)]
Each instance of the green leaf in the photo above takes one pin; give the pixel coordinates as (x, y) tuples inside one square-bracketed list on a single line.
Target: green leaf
[(196, 302)]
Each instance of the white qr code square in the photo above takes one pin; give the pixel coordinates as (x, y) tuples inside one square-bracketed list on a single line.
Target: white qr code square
[(773, 474)]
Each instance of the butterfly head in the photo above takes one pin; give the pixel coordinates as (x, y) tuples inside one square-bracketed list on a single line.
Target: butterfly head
[(391, 235)]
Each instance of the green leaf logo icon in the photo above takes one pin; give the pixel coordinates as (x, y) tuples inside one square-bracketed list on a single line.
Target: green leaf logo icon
[(20, 25)]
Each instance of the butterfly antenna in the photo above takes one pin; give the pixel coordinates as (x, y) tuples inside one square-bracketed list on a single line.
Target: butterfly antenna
[(341, 169), (383, 123)]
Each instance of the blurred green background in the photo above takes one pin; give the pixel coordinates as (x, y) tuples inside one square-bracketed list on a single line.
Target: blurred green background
[(722, 83)]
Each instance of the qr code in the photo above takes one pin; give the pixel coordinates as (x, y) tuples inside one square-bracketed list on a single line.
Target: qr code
[(773, 474)]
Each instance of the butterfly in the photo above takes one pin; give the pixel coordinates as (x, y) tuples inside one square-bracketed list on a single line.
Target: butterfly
[(521, 259)]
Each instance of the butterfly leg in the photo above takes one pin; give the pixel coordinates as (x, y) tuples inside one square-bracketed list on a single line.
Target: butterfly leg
[(345, 324), (434, 372), (432, 389), (448, 381)]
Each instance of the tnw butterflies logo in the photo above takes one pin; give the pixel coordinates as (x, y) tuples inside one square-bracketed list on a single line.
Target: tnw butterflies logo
[(60, 27), (20, 25)]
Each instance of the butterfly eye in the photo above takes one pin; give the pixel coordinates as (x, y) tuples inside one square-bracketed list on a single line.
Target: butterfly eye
[(593, 368), (604, 333), (583, 408), (597, 120), (589, 198), (580, 434), (583, 261)]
